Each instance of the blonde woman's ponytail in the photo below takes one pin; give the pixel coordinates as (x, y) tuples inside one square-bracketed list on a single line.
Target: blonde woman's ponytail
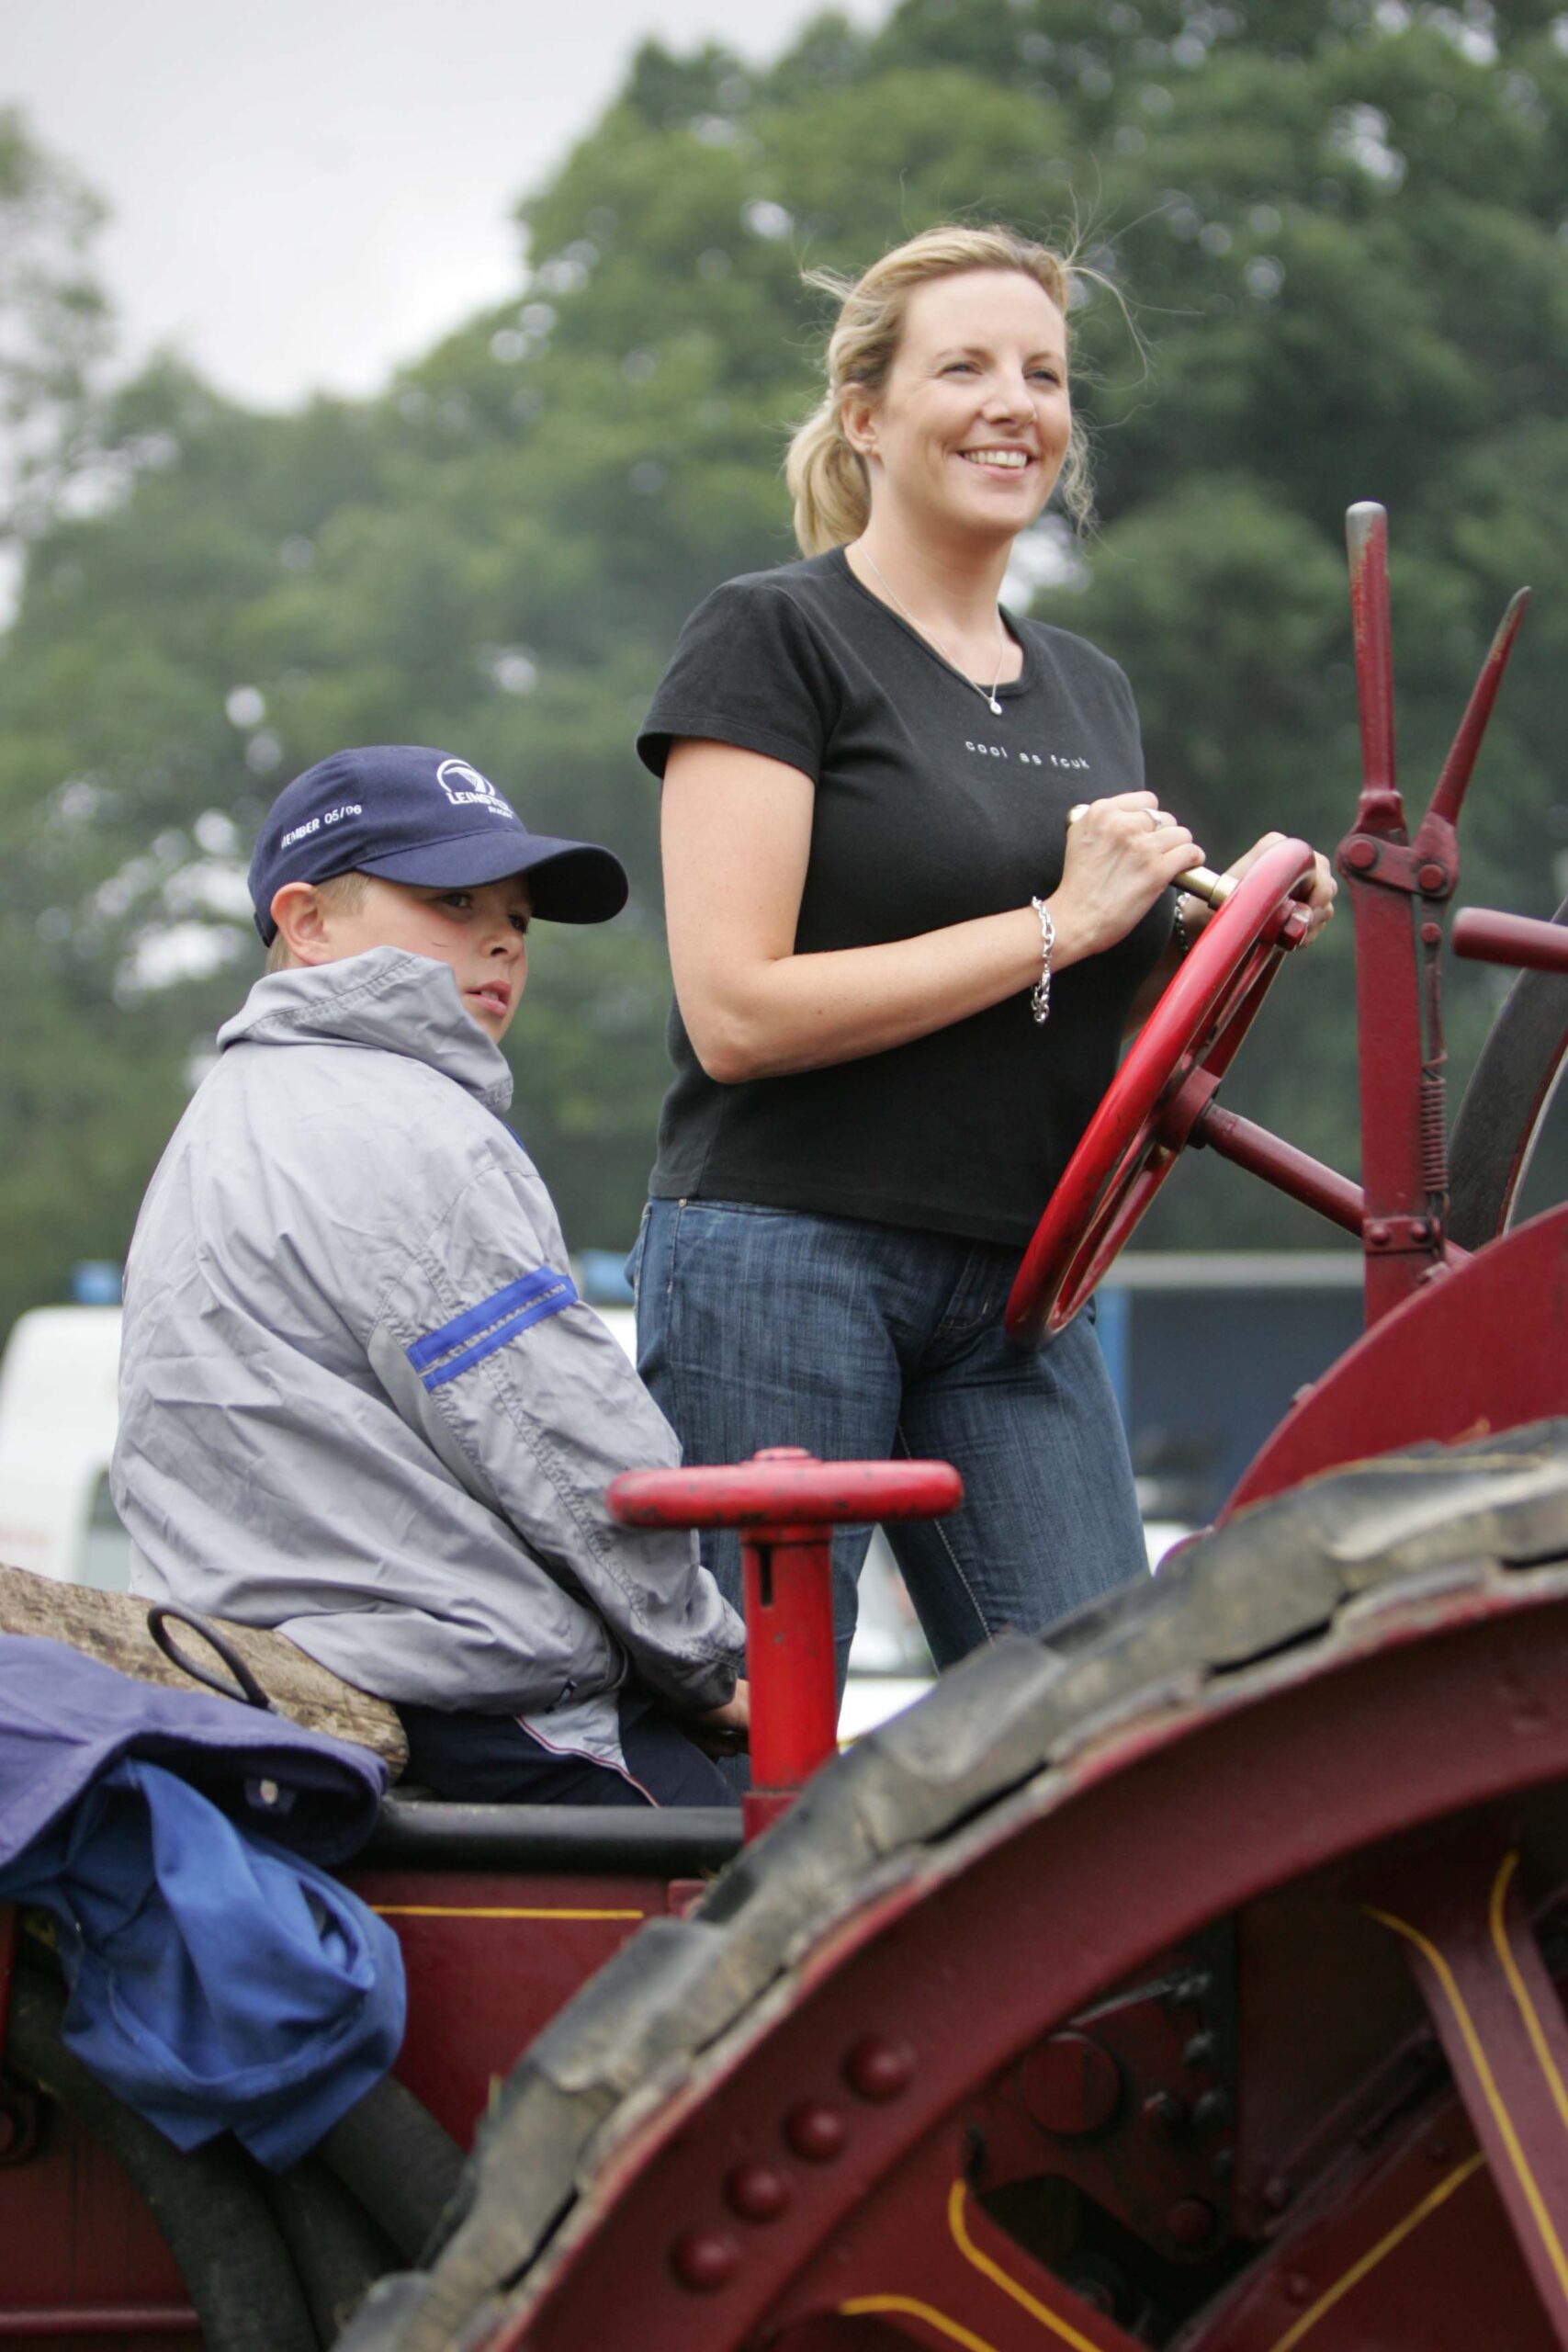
[(827, 480)]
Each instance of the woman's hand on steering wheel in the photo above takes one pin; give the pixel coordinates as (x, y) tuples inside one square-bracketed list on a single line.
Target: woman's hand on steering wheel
[(1122, 853), (1317, 895)]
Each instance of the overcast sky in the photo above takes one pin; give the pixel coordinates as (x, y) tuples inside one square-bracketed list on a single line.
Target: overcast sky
[(304, 193)]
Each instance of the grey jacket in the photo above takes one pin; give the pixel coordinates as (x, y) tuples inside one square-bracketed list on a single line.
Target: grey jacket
[(360, 1400)]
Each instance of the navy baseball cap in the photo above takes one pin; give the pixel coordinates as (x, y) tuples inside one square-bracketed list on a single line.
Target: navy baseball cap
[(413, 814)]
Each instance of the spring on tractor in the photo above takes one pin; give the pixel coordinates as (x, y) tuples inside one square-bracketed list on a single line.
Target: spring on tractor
[(1434, 1133)]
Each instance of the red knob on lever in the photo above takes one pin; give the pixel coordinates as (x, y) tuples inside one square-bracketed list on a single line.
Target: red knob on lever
[(785, 1499)]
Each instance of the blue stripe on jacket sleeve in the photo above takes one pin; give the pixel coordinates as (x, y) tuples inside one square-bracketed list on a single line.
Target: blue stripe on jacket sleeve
[(475, 1320), (540, 1312)]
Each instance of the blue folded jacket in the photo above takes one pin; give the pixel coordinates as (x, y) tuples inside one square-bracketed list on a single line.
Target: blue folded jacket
[(218, 1981)]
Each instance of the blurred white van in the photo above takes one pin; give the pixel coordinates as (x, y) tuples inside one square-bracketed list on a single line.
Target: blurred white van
[(58, 1413)]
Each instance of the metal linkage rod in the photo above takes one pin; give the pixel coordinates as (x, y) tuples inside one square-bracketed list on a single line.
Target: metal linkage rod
[(1448, 798), (1517, 940), (1293, 1172), (1366, 532)]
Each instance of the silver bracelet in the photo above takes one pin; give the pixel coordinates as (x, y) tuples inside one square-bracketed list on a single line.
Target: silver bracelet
[(1040, 1003)]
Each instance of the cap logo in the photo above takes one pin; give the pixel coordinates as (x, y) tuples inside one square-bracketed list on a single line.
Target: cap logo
[(465, 788)]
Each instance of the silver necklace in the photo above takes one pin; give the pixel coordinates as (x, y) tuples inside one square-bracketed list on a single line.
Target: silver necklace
[(931, 635)]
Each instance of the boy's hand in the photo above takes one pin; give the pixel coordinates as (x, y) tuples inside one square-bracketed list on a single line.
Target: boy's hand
[(724, 1731)]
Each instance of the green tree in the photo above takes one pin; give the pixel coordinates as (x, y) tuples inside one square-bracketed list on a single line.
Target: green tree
[(54, 324)]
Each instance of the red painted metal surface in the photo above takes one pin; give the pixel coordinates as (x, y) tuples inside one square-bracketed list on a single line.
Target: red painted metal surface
[(86, 2322), (780, 1500), (1130, 1145), (16, 2107), (1454, 782), (1293, 1172), (489, 1959), (77, 2241), (7, 1963), (946, 2266), (1414, 2250), (1480, 1347), (1517, 940), (1388, 999), (1135, 2107), (1496, 2012), (1398, 978), (789, 1662), (1455, 1703), (785, 1486), (1380, 809)]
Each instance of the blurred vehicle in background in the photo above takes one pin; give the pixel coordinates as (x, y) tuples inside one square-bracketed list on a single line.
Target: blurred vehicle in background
[(58, 1414)]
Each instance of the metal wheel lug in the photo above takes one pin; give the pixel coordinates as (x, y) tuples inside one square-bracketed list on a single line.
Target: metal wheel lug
[(705, 2260), (878, 2070), (756, 2192), (1071, 2084), (816, 2131), (1191, 2222)]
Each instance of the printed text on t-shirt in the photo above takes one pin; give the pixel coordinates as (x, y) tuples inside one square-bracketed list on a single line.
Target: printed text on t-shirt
[(1028, 759)]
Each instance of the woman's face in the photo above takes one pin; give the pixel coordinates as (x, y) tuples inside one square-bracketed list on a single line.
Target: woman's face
[(971, 428)]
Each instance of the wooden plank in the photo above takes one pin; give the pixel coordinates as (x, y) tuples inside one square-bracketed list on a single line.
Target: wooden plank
[(112, 1627)]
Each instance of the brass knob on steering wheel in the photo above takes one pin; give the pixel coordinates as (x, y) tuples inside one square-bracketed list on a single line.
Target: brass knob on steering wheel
[(1201, 882)]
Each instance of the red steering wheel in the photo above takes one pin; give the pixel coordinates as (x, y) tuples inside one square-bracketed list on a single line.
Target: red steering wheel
[(1171, 1070)]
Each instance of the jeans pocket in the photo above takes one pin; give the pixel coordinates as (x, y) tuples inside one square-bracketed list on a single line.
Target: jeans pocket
[(633, 1257), (740, 1208)]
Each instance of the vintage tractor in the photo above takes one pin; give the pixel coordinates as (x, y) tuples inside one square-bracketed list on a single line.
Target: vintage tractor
[(1188, 1979)]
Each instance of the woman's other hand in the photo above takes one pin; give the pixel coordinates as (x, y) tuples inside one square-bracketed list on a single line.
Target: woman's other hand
[(1122, 853), (1317, 897)]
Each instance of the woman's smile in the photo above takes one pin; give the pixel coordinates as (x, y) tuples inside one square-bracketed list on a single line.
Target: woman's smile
[(1006, 461)]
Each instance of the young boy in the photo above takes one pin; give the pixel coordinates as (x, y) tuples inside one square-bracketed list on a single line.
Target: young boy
[(360, 1400)]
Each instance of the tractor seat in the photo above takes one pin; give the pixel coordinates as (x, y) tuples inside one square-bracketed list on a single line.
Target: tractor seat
[(113, 1628)]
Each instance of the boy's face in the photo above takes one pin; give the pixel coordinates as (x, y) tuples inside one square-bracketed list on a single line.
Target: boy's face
[(479, 931)]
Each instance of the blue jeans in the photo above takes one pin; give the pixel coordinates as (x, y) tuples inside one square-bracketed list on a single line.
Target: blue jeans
[(768, 1327)]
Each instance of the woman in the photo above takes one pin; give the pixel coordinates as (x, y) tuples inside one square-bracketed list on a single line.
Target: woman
[(901, 982)]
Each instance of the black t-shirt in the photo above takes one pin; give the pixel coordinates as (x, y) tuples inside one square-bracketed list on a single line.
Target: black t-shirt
[(929, 811)]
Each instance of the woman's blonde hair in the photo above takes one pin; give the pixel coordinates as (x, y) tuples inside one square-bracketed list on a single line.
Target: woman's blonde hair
[(826, 477)]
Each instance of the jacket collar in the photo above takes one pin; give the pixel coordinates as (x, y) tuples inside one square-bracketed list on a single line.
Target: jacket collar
[(387, 997)]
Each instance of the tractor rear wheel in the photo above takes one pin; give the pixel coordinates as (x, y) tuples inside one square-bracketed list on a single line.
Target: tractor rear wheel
[(1188, 1980), (1505, 1105)]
